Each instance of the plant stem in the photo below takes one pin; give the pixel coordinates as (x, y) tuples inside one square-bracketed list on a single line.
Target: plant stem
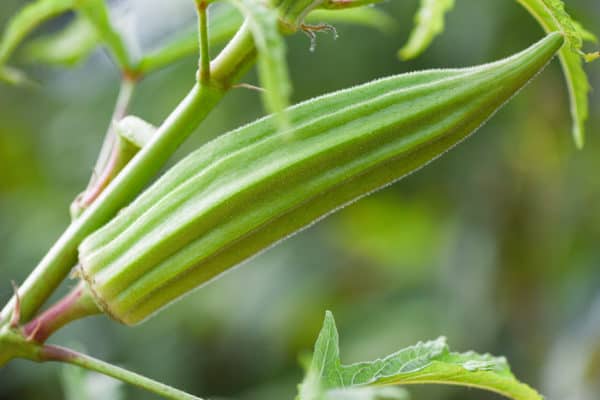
[(77, 304), (61, 354), (204, 64), (342, 4), (99, 179), (233, 61)]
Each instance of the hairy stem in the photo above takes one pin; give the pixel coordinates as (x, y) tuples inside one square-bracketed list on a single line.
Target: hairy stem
[(233, 61)]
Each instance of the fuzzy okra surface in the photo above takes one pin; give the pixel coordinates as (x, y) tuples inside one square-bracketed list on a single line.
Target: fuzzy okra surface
[(256, 185)]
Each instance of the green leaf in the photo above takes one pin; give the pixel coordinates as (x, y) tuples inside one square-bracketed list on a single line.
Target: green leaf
[(552, 16), (67, 47), (586, 35), (28, 18), (263, 22), (423, 363), (429, 22), (97, 13)]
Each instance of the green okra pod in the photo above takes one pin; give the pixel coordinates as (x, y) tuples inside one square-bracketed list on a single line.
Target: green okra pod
[(254, 186)]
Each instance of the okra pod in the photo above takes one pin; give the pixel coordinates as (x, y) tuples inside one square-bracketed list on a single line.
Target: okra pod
[(254, 186)]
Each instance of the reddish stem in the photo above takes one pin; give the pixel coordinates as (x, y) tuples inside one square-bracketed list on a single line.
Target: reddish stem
[(75, 305)]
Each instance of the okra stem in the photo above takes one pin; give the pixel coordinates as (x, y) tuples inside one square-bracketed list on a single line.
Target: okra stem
[(77, 304), (61, 354), (233, 61), (204, 64)]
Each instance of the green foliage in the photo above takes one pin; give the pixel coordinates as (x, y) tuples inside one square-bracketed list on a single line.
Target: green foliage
[(68, 47), (257, 185), (552, 16), (429, 22), (224, 21), (425, 362), (263, 21), (27, 20), (97, 13)]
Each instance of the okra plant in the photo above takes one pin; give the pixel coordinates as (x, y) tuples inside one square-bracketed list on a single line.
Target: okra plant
[(134, 248)]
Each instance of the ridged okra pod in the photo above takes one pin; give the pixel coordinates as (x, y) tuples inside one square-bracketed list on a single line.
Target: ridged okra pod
[(254, 186)]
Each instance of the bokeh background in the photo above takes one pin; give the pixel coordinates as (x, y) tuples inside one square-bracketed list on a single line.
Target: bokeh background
[(496, 245)]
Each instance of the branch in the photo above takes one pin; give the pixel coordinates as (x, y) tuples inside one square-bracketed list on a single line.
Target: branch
[(204, 64), (235, 59), (61, 354)]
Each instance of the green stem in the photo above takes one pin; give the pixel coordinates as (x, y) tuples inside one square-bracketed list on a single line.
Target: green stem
[(104, 170), (204, 64), (234, 60), (343, 4), (61, 354), (122, 105)]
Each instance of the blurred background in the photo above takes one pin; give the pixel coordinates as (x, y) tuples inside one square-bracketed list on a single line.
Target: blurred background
[(496, 245)]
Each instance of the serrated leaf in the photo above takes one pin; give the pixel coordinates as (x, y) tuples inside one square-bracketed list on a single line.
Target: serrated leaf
[(423, 363), (263, 22), (429, 22), (97, 13), (552, 16), (67, 47), (26, 20)]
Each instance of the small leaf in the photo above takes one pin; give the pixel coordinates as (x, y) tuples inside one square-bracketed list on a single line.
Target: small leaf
[(425, 362), (586, 35), (97, 13), (28, 18), (429, 22), (263, 22), (552, 16), (67, 47)]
